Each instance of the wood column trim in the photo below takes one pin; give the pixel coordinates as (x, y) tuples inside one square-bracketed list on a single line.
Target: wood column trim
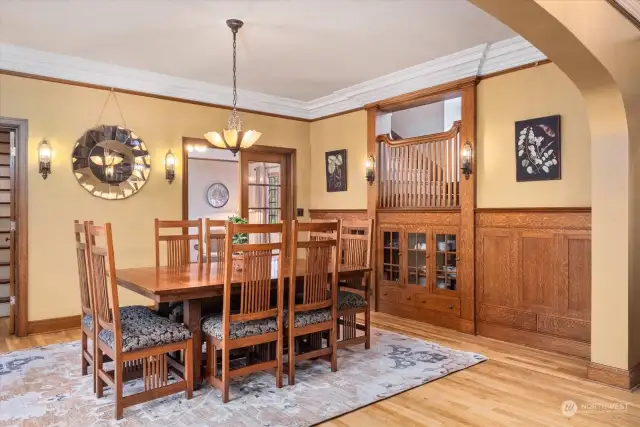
[(626, 379), (372, 199), (468, 204)]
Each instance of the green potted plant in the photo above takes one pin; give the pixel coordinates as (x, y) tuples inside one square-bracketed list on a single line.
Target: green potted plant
[(238, 239)]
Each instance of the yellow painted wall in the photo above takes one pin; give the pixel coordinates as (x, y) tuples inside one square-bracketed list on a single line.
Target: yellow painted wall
[(61, 113), (534, 92), (345, 131)]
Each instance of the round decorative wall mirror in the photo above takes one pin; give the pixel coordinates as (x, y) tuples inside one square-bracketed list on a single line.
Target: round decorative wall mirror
[(111, 162), (218, 195)]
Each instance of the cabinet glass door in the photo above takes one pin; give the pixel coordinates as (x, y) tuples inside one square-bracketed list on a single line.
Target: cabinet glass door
[(417, 259), (446, 261), (391, 256)]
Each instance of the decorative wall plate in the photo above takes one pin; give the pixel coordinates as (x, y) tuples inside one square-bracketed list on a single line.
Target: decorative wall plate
[(218, 195), (111, 162)]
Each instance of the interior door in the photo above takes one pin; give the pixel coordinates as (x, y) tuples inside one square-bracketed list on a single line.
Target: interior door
[(7, 276), (266, 190)]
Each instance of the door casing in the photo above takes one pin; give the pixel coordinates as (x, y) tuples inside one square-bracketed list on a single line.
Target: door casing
[(19, 207)]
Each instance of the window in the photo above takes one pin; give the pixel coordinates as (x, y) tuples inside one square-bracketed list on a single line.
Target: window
[(273, 199)]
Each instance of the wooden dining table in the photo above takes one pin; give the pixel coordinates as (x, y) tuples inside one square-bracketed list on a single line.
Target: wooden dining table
[(195, 282)]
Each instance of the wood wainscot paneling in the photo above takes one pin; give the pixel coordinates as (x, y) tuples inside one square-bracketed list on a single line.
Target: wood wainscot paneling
[(533, 277), (344, 214)]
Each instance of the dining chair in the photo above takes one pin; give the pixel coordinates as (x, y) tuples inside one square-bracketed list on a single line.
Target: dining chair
[(138, 342), (354, 294), (316, 311), (257, 322), (214, 240), (86, 301), (178, 245)]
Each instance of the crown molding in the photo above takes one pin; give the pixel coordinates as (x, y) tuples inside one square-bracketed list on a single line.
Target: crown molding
[(630, 9), (475, 61), (29, 61)]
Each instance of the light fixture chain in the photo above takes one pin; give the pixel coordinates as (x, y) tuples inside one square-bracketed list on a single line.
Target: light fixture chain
[(235, 92)]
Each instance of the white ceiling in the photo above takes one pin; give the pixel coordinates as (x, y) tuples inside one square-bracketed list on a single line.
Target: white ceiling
[(298, 49)]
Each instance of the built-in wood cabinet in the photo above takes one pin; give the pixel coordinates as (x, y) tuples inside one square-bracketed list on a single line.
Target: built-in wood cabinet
[(418, 269), (424, 258)]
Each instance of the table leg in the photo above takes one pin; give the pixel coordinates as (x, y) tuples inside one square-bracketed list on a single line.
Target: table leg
[(192, 315)]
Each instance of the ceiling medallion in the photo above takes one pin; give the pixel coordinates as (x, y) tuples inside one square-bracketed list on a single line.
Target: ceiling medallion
[(233, 138), (111, 162)]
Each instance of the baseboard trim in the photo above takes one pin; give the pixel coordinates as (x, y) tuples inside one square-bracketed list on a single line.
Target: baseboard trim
[(535, 339), (53, 325), (625, 379)]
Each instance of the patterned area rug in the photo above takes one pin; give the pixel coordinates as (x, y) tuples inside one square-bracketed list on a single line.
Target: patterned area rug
[(43, 387)]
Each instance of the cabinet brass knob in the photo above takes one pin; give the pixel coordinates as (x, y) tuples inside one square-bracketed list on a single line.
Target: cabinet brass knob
[(458, 259), (451, 307)]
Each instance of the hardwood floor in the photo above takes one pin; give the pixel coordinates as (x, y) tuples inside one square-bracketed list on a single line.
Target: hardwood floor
[(517, 386)]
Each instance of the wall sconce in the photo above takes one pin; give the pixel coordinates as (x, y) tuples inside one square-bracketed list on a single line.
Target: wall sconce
[(370, 168), (467, 157), (170, 166), (44, 157)]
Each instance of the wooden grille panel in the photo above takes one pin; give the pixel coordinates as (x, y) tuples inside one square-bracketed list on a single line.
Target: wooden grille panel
[(420, 172), (255, 289), (316, 278), (101, 288)]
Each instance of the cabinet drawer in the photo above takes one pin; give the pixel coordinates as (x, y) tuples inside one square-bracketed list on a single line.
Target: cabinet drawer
[(389, 294), (449, 305)]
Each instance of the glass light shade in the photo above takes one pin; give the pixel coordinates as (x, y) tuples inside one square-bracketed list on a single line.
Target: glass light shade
[(231, 136), (170, 159), (467, 157), (170, 166), (44, 152), (215, 139), (249, 138)]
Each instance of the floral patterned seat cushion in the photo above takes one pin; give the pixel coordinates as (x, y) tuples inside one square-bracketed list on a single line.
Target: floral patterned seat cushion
[(212, 325), (129, 311), (144, 330), (306, 318), (348, 300)]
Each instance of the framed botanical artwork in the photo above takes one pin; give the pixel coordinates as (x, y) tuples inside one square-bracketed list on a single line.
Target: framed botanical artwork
[(336, 170), (538, 149)]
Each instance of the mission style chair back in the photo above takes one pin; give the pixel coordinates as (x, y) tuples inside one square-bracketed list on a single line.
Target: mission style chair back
[(258, 321), (354, 295), (316, 311), (137, 340), (178, 245), (214, 240), (87, 326)]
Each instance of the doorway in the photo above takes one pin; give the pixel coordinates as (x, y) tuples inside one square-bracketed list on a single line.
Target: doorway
[(13, 227), (266, 176), (267, 181)]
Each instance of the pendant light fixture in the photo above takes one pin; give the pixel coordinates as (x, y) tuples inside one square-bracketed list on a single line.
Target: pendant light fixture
[(233, 138)]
